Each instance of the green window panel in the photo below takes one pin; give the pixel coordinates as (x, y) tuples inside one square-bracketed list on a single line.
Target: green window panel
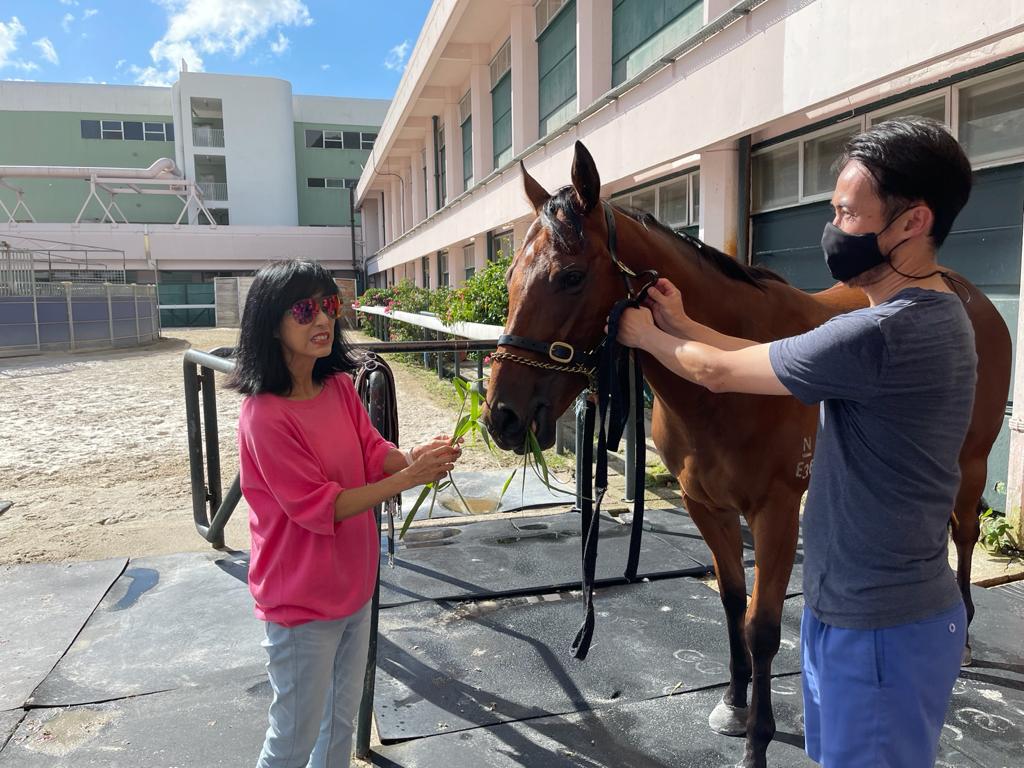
[(556, 65), (467, 152), (501, 109), (645, 30)]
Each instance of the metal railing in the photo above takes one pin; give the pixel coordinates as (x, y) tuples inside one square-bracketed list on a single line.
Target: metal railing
[(207, 136), (213, 190)]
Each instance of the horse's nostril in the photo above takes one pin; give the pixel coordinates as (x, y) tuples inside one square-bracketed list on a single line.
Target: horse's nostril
[(504, 419)]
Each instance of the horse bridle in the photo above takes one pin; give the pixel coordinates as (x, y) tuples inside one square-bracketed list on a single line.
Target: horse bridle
[(563, 356)]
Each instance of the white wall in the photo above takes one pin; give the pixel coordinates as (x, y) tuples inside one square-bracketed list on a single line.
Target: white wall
[(259, 144), (339, 111), (74, 97)]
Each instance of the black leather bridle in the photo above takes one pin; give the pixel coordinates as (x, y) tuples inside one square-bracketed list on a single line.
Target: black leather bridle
[(609, 360)]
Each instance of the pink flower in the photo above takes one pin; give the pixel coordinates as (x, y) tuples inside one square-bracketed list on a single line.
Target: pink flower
[(487, 360), (355, 304)]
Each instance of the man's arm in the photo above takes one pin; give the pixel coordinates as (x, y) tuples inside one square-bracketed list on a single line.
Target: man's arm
[(743, 368)]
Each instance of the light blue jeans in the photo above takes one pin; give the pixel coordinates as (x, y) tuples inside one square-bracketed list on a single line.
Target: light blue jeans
[(316, 672)]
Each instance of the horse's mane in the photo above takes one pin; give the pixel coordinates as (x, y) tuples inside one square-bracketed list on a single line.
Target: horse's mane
[(567, 232)]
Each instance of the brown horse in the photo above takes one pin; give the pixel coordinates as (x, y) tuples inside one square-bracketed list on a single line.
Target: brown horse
[(733, 454)]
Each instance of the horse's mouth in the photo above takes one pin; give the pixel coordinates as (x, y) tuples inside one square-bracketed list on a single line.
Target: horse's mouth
[(517, 440)]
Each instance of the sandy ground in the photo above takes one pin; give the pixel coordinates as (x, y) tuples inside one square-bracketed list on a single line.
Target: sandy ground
[(93, 450)]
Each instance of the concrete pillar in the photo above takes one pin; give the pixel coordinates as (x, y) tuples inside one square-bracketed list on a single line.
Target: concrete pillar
[(593, 51), (519, 230), (525, 106), (483, 120), (719, 177), (453, 148)]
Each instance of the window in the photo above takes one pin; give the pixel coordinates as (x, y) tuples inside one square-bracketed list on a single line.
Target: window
[(133, 131), (819, 158), (426, 198), (545, 11), (318, 183), (775, 177), (933, 107), (112, 129), (556, 64), (442, 191), (442, 268), (501, 104), (425, 265), (469, 260), (90, 129), (317, 138), (675, 202), (645, 30), (501, 245), (991, 119), (466, 124), (153, 131), (127, 130)]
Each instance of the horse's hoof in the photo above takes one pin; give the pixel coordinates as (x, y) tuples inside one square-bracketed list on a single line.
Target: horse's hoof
[(728, 720), (966, 659)]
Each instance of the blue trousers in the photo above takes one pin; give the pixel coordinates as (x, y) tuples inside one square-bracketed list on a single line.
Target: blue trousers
[(316, 672), (878, 698)]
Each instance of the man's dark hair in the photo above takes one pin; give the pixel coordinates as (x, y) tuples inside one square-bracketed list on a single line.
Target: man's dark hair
[(914, 158), (260, 365)]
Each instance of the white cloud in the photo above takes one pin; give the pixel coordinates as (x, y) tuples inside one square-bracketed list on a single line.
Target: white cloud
[(395, 60), (66, 21), (200, 27), (69, 2), (47, 50), (280, 45), (120, 63), (9, 34), (325, 67), (89, 13)]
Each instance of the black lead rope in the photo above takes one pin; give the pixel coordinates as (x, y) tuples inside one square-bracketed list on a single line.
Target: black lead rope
[(613, 405)]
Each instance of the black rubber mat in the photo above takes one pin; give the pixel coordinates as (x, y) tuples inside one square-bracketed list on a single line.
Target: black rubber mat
[(997, 635), (447, 667), (985, 721), (43, 608), (167, 622), (666, 732), (494, 557), (216, 726), (481, 492)]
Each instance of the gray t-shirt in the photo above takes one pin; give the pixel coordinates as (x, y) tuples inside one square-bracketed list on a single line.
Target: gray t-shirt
[(896, 387)]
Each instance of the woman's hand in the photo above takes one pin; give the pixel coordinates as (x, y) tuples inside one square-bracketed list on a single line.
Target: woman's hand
[(666, 305), (431, 463)]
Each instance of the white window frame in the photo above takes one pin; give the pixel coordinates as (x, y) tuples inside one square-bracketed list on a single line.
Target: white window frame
[(690, 174), (503, 58), (1010, 73), (146, 132), (365, 143), (549, 14), (946, 94), (119, 129), (468, 260)]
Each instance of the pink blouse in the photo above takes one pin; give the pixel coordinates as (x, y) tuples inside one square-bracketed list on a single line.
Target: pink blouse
[(296, 457)]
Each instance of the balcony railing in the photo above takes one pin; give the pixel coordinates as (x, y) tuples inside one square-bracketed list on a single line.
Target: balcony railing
[(213, 190), (207, 136)]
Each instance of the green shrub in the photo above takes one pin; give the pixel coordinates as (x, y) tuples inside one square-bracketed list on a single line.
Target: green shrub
[(482, 299)]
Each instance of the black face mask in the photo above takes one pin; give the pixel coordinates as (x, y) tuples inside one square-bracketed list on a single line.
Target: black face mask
[(850, 255)]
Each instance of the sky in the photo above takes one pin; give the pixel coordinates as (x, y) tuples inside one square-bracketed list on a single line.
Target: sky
[(355, 48)]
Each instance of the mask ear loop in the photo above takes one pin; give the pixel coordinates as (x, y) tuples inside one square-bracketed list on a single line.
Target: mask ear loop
[(953, 281)]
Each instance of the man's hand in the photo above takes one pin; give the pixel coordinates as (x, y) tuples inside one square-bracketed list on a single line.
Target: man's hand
[(666, 305), (635, 327)]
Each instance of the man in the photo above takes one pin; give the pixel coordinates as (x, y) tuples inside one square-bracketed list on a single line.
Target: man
[(884, 624)]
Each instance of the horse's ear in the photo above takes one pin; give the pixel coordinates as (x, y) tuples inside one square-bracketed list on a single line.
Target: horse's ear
[(536, 194), (585, 180)]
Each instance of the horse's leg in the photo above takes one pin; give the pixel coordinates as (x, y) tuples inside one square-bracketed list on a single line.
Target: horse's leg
[(775, 538), (966, 528), (721, 532)]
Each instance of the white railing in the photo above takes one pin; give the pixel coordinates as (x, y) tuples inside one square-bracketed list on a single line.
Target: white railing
[(213, 190), (207, 136)]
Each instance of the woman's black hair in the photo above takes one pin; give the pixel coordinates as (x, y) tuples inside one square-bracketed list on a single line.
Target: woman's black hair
[(914, 158), (259, 361)]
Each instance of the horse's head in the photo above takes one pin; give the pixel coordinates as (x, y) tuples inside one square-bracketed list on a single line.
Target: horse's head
[(561, 285)]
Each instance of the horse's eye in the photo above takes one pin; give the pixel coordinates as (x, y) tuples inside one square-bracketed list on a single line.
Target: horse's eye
[(571, 279)]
